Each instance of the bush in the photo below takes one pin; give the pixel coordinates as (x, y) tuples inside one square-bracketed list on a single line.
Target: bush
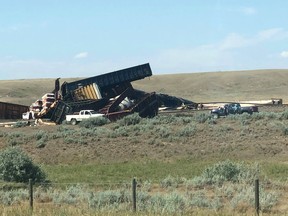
[(228, 171), (202, 117), (20, 124), (16, 166), (187, 131), (93, 122), (169, 181), (284, 130), (108, 199), (132, 119), (284, 115)]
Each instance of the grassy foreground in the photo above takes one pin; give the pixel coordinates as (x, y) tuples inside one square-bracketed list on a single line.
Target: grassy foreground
[(42, 210), (171, 175), (151, 170), (224, 188), (123, 172)]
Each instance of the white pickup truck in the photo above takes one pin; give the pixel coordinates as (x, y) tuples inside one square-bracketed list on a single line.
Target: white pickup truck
[(83, 114)]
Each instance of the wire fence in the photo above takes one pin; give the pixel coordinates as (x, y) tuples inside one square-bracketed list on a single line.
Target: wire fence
[(144, 196)]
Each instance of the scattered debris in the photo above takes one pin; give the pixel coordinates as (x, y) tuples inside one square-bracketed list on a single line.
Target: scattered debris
[(167, 102)]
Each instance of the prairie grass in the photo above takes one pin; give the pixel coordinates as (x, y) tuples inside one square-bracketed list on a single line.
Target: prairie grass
[(167, 197), (123, 172)]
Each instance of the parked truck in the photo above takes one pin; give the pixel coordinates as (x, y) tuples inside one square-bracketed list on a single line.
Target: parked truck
[(83, 114), (233, 108)]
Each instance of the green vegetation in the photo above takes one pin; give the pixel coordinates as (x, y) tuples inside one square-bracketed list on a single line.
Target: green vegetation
[(176, 159), (93, 122), (233, 192), (16, 166), (123, 172)]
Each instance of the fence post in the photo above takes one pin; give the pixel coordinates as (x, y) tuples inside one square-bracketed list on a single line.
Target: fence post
[(134, 184), (31, 193), (257, 204)]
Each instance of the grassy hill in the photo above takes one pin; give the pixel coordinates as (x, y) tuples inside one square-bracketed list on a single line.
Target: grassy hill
[(170, 146), (219, 86), (198, 87)]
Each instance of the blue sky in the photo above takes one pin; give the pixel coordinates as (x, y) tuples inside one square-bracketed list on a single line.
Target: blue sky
[(73, 38)]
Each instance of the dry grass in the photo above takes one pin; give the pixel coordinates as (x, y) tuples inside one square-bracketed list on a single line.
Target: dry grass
[(63, 210), (263, 140), (198, 87)]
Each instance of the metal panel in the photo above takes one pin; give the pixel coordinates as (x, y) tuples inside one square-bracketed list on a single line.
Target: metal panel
[(112, 78), (12, 111)]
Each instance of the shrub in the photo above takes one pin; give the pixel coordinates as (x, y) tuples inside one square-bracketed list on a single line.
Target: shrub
[(268, 200), (20, 124), (202, 117), (41, 138), (211, 121), (132, 119), (172, 182), (16, 166), (187, 131), (258, 116), (272, 115), (227, 171), (41, 135), (13, 196), (168, 182), (72, 195), (163, 132), (41, 143), (16, 138), (284, 115), (93, 122), (3, 134), (108, 199)]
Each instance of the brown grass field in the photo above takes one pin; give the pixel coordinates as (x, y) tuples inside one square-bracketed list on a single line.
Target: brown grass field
[(264, 140), (198, 87)]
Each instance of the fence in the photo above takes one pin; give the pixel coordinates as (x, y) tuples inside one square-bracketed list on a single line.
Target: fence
[(132, 196)]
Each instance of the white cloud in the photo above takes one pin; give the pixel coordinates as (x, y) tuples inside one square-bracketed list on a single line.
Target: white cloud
[(81, 55), (234, 52), (271, 33), (234, 40), (284, 54), (249, 10)]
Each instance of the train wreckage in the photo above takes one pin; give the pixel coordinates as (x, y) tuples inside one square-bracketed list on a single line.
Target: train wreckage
[(110, 94)]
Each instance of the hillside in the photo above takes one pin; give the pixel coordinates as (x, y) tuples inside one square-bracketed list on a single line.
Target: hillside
[(221, 86), (177, 146), (198, 87)]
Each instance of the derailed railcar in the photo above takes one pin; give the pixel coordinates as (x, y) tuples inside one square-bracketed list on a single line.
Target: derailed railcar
[(110, 94), (12, 111), (106, 85)]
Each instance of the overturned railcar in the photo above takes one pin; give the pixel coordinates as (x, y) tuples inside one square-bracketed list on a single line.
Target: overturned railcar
[(104, 86)]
